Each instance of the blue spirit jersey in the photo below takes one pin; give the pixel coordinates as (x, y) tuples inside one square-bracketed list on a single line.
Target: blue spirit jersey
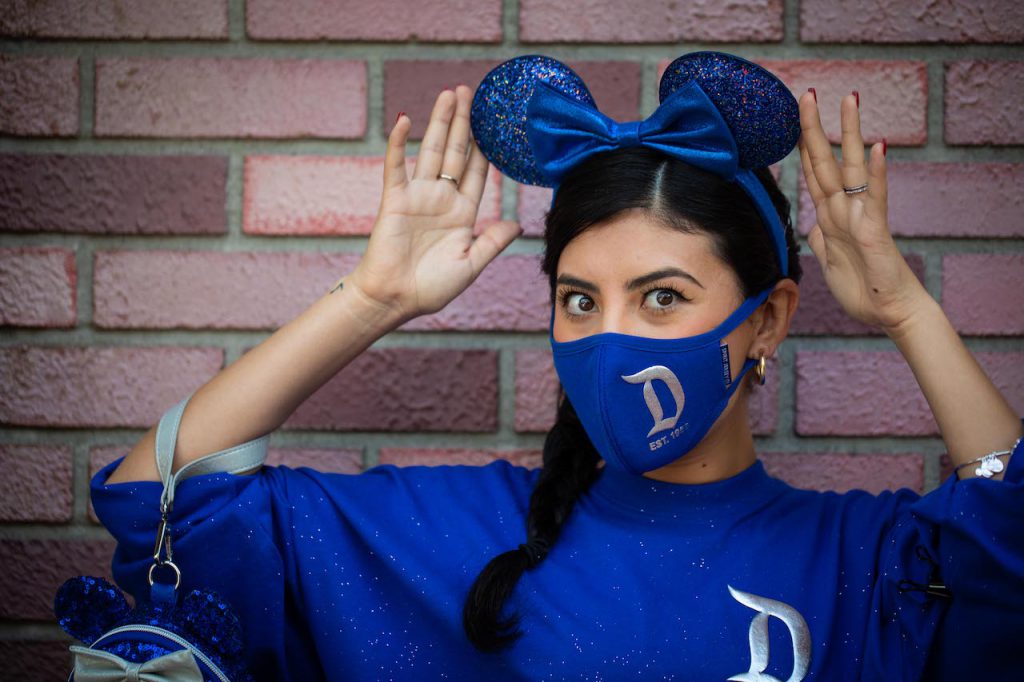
[(363, 577)]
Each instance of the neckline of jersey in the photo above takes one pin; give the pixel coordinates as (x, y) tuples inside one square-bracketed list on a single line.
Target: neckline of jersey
[(720, 500)]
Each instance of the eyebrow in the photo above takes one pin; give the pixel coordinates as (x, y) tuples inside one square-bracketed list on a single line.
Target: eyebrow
[(632, 284)]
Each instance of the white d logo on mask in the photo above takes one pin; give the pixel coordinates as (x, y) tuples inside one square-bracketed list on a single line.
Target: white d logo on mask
[(664, 374)]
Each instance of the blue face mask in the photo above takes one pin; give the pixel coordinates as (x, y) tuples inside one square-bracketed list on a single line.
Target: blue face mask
[(647, 402)]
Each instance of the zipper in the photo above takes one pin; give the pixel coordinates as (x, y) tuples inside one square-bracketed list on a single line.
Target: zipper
[(182, 642)]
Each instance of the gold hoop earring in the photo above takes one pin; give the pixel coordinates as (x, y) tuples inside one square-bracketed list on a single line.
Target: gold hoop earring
[(761, 371)]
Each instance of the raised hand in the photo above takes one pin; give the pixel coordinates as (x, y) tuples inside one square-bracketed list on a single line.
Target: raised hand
[(422, 252), (851, 240)]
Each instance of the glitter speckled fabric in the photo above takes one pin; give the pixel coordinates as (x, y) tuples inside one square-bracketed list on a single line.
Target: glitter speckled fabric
[(363, 577), (758, 107), (498, 114)]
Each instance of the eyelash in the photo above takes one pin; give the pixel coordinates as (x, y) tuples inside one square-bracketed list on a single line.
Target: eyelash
[(563, 296)]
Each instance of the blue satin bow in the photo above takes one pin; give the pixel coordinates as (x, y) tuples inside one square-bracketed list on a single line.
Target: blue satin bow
[(562, 132)]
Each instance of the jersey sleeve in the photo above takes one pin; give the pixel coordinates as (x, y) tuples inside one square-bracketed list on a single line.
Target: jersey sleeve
[(967, 536), (222, 538)]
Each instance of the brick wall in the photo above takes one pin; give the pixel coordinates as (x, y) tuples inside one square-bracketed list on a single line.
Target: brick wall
[(178, 179)]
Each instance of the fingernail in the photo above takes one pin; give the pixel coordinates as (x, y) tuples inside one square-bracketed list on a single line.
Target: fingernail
[(400, 114), (815, 93), (856, 96), (885, 146)]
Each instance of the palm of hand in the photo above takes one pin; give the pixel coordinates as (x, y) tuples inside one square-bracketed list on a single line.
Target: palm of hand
[(422, 252), (851, 241), (428, 225)]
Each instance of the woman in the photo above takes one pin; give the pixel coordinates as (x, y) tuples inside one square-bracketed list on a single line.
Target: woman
[(673, 556)]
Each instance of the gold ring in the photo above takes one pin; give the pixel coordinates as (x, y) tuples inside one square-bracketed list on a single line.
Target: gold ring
[(445, 176)]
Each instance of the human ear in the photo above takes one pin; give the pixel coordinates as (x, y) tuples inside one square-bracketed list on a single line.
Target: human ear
[(772, 319)]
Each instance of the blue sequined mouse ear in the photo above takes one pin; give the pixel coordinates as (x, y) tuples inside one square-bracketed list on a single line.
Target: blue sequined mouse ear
[(86, 607), (498, 113), (759, 109)]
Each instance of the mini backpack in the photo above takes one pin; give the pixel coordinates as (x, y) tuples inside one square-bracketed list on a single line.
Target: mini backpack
[(196, 638)]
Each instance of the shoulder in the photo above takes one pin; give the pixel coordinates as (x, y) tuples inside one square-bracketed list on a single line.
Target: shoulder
[(499, 480), (849, 508)]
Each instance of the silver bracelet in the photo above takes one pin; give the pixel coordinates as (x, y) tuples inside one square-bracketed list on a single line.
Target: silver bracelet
[(989, 464)]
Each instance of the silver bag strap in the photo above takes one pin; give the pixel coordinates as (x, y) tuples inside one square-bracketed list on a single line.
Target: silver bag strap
[(235, 460)]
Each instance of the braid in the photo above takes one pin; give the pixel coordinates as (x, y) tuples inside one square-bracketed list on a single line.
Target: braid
[(570, 467)]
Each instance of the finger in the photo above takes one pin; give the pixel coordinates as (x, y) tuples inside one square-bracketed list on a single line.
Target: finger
[(855, 173), (877, 206), (816, 240), (428, 164), (491, 242), (474, 178), (817, 196), (394, 157), (826, 170), (454, 162)]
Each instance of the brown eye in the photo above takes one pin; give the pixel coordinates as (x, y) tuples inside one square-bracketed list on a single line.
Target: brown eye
[(578, 304), (665, 298)]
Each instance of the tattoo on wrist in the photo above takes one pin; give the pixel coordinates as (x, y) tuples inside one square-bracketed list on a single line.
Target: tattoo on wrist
[(340, 286)]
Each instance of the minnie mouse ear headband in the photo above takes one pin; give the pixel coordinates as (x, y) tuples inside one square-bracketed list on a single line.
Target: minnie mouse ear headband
[(534, 119)]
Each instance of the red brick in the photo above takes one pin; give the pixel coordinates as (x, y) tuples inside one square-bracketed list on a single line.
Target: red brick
[(654, 21), (334, 460), (412, 86), (983, 101), (263, 290), (533, 205), (910, 21), (37, 287), (477, 21), (99, 387), (248, 98), (510, 294), (149, 19), (536, 386), (852, 393), (113, 194), (893, 95), (530, 459), (40, 95), (34, 569), (948, 200), (36, 485), (407, 389), (983, 293), (325, 195), (99, 457), (35, 661), (819, 314), (842, 472)]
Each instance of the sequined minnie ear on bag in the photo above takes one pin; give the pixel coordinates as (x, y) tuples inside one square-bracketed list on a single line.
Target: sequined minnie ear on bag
[(164, 639), (534, 119)]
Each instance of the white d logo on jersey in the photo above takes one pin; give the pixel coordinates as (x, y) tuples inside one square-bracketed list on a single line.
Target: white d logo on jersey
[(798, 631), (664, 374)]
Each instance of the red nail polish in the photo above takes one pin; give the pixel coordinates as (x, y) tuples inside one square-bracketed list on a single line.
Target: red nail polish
[(400, 114), (815, 93), (856, 96), (885, 146)]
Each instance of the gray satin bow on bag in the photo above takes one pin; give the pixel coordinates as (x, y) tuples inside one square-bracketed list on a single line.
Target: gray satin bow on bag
[(92, 665)]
